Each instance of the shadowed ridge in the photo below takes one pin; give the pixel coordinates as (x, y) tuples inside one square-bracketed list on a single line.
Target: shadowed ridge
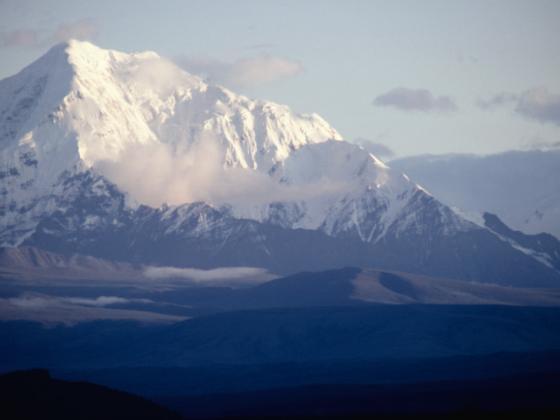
[(34, 394)]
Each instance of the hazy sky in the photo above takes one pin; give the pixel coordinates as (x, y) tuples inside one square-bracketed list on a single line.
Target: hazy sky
[(416, 76)]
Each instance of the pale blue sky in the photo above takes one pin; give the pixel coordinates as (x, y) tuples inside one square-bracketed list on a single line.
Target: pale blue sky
[(336, 57)]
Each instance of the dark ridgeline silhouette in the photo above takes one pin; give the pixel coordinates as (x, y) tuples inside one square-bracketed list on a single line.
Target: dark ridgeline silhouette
[(34, 394), (524, 396)]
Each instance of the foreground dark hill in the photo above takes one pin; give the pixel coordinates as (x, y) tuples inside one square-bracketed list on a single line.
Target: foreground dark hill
[(286, 335), (345, 348), (343, 333), (521, 396), (35, 395), (154, 382)]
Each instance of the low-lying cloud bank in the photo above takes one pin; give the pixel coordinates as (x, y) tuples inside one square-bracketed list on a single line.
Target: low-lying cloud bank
[(71, 310), (235, 275), (33, 301)]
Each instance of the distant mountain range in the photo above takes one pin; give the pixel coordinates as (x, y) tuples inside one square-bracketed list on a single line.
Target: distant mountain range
[(125, 157)]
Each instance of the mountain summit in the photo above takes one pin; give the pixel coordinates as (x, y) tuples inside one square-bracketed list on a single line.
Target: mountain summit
[(79, 107), (125, 116), (129, 157)]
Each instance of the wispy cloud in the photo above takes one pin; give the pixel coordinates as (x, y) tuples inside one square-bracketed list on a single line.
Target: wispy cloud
[(499, 99), (541, 105), (538, 104), (198, 174), (41, 301), (421, 100), (70, 310), (82, 29), (261, 46), (19, 38), (244, 72)]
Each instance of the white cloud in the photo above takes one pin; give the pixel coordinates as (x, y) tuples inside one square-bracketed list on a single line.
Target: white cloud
[(98, 301), (244, 275), (159, 173), (32, 301), (245, 72)]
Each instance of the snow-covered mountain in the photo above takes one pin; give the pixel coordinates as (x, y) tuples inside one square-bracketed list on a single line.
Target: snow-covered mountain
[(521, 187), (80, 107), (126, 156)]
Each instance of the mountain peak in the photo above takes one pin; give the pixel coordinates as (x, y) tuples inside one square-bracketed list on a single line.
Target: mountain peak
[(77, 52), (81, 107), (63, 54)]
